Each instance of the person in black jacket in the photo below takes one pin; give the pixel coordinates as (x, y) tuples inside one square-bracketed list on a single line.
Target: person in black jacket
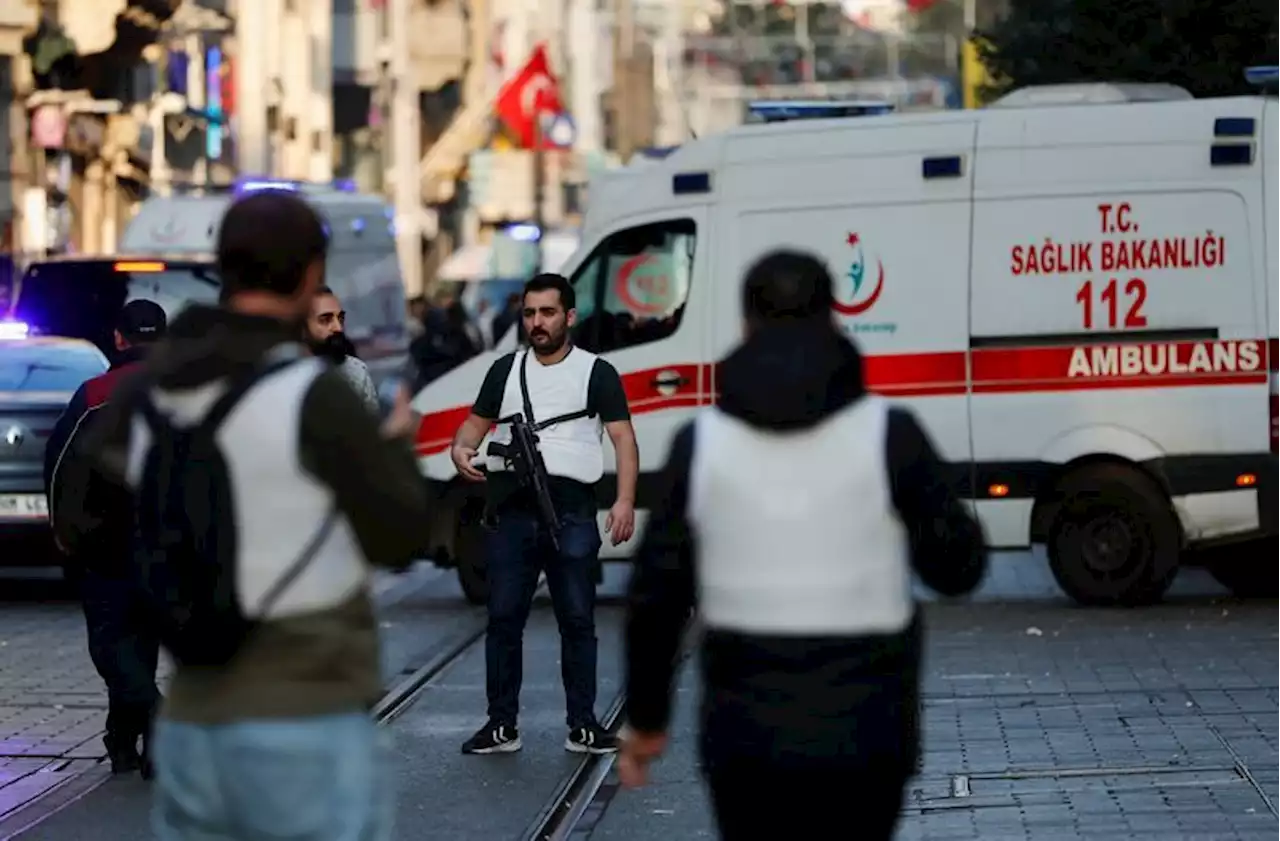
[(794, 513), (123, 651)]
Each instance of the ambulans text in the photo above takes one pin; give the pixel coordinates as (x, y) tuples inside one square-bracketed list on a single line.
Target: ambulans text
[(1150, 360)]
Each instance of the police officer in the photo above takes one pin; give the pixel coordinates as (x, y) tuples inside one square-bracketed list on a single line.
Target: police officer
[(559, 380), (793, 513), (91, 524)]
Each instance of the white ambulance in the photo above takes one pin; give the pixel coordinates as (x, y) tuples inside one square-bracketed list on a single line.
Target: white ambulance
[(1075, 289)]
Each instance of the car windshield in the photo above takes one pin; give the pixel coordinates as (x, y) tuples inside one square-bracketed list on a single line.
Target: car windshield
[(81, 299), (42, 367)]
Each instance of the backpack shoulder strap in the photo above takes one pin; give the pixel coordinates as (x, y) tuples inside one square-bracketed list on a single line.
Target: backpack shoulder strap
[(236, 392)]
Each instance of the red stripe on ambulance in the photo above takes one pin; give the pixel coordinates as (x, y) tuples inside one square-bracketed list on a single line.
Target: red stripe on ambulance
[(1091, 367)]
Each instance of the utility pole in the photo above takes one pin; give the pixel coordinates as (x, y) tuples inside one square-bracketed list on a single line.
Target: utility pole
[(318, 139), (406, 149), (194, 48), (669, 70), (623, 100), (584, 74), (251, 78)]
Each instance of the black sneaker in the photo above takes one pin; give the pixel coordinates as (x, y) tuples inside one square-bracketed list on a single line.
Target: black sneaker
[(591, 738), (494, 737), (125, 761)]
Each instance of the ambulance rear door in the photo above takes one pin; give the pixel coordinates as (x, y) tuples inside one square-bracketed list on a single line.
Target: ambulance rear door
[(1116, 308)]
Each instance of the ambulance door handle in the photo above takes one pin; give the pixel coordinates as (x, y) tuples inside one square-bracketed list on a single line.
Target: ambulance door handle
[(669, 381)]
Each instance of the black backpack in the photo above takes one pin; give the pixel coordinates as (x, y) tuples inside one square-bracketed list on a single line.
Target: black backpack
[(185, 535)]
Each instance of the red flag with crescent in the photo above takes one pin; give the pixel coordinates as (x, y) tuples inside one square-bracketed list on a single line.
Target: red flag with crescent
[(531, 92)]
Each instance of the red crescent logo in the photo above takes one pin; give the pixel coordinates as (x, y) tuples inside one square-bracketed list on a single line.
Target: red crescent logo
[(622, 287), (859, 307)]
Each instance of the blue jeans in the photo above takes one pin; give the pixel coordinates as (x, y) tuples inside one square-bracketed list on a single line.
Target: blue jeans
[(516, 551), (305, 779)]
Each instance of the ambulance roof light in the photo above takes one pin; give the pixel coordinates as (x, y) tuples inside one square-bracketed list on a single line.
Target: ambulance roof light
[(781, 111), (245, 185), (1265, 76), (1094, 93)]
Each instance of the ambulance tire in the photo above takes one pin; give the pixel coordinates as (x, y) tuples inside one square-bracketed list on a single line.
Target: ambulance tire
[(469, 550), (1249, 570), (1115, 539)]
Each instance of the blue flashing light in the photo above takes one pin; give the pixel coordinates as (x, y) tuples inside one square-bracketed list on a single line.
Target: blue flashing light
[(1262, 76), (345, 185), (357, 224), (523, 232), (257, 185), (14, 330), (786, 110)]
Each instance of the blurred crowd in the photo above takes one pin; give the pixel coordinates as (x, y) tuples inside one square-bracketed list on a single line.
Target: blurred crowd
[(446, 334)]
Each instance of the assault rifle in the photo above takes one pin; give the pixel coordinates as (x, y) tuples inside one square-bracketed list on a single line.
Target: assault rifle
[(525, 460)]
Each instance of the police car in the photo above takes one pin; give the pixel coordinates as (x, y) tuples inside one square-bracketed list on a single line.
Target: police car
[(38, 376), (1074, 288)]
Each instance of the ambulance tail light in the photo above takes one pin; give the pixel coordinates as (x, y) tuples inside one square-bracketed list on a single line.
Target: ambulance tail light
[(1273, 398), (145, 266)]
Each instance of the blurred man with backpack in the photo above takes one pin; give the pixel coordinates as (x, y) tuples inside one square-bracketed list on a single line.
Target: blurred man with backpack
[(123, 649), (264, 491)]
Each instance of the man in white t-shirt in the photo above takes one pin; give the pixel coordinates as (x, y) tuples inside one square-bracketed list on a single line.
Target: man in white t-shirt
[(583, 397)]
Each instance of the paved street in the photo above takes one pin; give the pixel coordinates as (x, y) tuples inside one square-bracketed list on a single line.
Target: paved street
[(53, 705), (1043, 721)]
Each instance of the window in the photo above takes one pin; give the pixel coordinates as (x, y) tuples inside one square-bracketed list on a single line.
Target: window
[(81, 299), (46, 368), (633, 288)]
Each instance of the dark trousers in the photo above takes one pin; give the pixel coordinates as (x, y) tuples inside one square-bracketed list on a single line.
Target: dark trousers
[(752, 802), (517, 550), (125, 655)]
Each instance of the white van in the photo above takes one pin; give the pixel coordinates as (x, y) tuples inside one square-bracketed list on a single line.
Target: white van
[(1078, 298), (362, 266)]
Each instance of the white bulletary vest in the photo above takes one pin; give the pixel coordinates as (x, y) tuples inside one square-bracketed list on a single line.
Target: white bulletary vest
[(278, 506), (797, 533), (572, 449)]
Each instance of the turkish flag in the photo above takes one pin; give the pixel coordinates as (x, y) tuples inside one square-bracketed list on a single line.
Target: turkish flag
[(917, 6), (527, 95)]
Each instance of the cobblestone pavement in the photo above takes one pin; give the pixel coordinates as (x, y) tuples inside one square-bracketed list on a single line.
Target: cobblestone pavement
[(1049, 722), (52, 703), (1043, 721)]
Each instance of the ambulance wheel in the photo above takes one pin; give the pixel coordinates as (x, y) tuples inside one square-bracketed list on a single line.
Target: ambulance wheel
[(1249, 570), (1115, 539), (469, 549)]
